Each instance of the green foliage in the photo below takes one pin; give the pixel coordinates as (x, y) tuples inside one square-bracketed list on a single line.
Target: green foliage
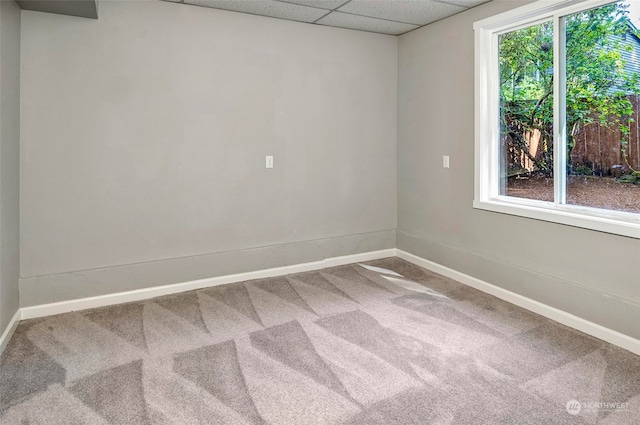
[(583, 170), (596, 82), (634, 178)]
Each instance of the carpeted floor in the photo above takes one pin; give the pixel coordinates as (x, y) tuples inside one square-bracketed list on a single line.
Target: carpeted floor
[(384, 342)]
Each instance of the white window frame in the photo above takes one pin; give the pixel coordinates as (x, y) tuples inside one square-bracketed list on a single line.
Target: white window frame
[(487, 130)]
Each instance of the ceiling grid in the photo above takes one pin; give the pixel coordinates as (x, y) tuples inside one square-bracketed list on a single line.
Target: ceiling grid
[(393, 17)]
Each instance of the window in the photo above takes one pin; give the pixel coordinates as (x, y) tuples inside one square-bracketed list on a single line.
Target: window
[(557, 114)]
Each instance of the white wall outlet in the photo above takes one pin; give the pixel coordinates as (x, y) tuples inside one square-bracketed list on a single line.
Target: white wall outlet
[(269, 161), (445, 161)]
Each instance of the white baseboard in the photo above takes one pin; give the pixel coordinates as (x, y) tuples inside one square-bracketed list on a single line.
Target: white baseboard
[(157, 291), (575, 322), (598, 331), (6, 336)]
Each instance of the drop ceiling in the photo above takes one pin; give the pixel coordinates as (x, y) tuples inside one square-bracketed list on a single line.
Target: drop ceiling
[(392, 17)]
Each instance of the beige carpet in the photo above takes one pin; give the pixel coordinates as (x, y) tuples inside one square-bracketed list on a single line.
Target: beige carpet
[(379, 343)]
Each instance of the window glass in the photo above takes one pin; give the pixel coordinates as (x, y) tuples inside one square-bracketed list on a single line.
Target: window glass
[(602, 86), (526, 112)]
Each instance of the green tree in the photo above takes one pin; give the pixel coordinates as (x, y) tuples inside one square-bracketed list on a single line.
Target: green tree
[(597, 85)]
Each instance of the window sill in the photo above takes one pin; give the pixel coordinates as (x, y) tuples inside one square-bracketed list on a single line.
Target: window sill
[(617, 223)]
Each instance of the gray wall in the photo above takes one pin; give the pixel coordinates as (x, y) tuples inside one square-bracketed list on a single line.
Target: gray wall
[(589, 274), (144, 137), (9, 159)]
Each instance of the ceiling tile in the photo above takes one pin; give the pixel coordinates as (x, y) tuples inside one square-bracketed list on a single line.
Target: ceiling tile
[(363, 23), (272, 8), (322, 4), (419, 12)]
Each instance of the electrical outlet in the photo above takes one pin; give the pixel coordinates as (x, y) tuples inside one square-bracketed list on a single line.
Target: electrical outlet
[(269, 161), (445, 161)]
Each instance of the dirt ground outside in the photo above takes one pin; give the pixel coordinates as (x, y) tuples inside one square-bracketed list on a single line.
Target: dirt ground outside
[(589, 191)]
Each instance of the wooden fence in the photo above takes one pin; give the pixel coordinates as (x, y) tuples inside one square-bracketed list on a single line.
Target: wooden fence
[(600, 148), (597, 148)]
